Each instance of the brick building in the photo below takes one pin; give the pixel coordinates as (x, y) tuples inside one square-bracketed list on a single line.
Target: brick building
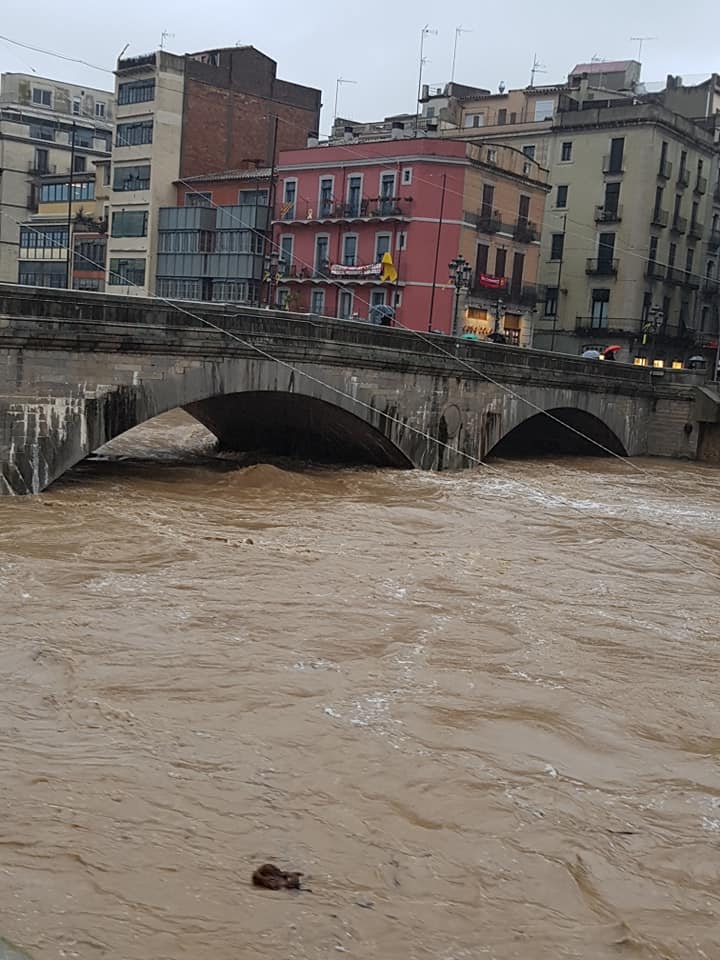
[(342, 209), (190, 115)]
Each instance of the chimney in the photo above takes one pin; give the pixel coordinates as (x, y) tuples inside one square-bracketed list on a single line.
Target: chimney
[(396, 130), (425, 91), (313, 138), (348, 134)]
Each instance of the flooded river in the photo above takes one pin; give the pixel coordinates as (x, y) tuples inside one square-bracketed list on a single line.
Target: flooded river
[(476, 712)]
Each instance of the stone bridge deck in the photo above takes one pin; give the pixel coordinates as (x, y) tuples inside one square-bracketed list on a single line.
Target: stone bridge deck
[(77, 369)]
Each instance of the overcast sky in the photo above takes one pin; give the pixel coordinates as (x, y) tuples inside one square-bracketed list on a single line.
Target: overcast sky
[(377, 45)]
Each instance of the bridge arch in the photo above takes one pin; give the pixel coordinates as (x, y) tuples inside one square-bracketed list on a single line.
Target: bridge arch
[(541, 435)]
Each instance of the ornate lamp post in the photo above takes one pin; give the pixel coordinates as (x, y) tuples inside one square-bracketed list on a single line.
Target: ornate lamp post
[(460, 275)]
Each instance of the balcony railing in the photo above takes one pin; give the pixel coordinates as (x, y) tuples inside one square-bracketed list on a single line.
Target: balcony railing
[(365, 208), (710, 287), (660, 218), (683, 179), (612, 164), (525, 231), (608, 214), (488, 221), (714, 239), (654, 271), (696, 230), (41, 170), (601, 267), (674, 275), (679, 224), (701, 185), (665, 169)]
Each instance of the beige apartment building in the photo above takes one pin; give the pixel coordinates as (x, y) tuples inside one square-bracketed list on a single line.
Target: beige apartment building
[(631, 226), (43, 124)]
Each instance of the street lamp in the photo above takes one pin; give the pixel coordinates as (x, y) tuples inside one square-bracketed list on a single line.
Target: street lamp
[(655, 316), (460, 274)]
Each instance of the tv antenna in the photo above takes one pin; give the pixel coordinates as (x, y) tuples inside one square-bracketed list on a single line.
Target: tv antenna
[(537, 67), (425, 32), (338, 83), (640, 41), (165, 36), (458, 32)]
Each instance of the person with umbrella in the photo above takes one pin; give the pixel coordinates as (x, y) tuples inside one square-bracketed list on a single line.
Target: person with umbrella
[(610, 353)]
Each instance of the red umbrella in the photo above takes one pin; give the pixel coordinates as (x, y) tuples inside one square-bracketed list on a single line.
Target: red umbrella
[(613, 349)]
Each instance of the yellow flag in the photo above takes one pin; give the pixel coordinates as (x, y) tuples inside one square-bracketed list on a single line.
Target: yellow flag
[(389, 272)]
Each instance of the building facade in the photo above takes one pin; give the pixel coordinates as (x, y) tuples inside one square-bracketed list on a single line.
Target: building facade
[(186, 116), (45, 128), (360, 228), (213, 244)]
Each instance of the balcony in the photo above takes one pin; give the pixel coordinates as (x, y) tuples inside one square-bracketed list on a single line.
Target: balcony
[(525, 232), (608, 214), (696, 230), (330, 211), (487, 221), (679, 224), (701, 185), (42, 170), (654, 271), (660, 218), (710, 288), (665, 170), (613, 165), (601, 267), (674, 275), (714, 239), (683, 179)]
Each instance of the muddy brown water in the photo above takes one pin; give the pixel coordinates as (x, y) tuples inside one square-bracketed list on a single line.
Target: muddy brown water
[(483, 722)]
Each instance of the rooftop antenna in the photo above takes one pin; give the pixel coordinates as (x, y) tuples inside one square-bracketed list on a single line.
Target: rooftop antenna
[(640, 41), (537, 67), (165, 36), (425, 32), (122, 52), (458, 31), (338, 83)]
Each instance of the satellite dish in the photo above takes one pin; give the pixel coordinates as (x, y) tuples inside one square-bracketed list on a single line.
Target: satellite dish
[(501, 86)]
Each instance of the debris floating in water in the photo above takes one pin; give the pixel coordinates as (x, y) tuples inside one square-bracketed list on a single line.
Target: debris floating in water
[(273, 878)]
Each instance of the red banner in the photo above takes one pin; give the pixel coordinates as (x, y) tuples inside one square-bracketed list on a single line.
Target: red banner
[(494, 283)]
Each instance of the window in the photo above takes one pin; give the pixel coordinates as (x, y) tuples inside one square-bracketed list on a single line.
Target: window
[(500, 261), (491, 155), (76, 106), (689, 258), (672, 255), (612, 198), (387, 186), (287, 244), (557, 245), (475, 120), (430, 113), (523, 209), (544, 110), (252, 198), (58, 192), (513, 117), (481, 260), (198, 198), (551, 302), (652, 250), (134, 134), (401, 243), (90, 254), (130, 272), (406, 176), (349, 249), (488, 200), (566, 151), (615, 160), (683, 162), (129, 223), (354, 196), (502, 117), (86, 283), (317, 302), (135, 178), (606, 249), (34, 238), (529, 151), (322, 255), (139, 91), (288, 204), (562, 196), (42, 157), (82, 137), (658, 202), (345, 304), (599, 309), (235, 291), (398, 298), (325, 199), (79, 164), (41, 131), (676, 209), (517, 275), (99, 110), (383, 245), (42, 98)]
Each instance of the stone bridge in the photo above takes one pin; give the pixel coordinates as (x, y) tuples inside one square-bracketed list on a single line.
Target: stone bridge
[(78, 369)]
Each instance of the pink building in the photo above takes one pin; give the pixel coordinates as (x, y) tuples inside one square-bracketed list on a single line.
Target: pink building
[(341, 209)]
